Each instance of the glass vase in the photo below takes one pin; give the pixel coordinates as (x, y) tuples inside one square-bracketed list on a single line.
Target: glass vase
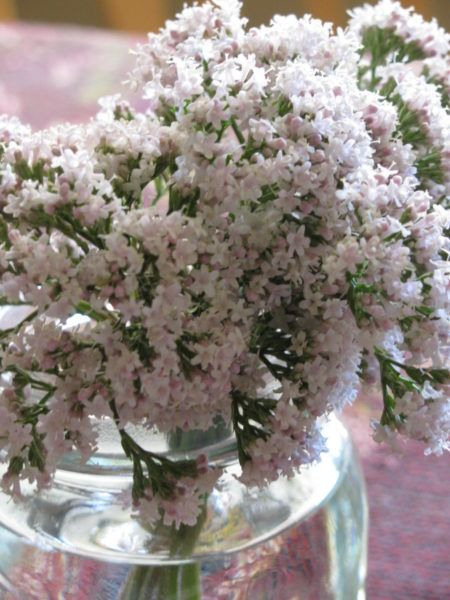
[(300, 538)]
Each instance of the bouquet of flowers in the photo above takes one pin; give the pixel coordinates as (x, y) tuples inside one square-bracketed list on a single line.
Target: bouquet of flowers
[(278, 213)]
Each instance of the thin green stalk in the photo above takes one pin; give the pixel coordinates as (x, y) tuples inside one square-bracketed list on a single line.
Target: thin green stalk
[(190, 581), (140, 581), (172, 582), (169, 586), (237, 131)]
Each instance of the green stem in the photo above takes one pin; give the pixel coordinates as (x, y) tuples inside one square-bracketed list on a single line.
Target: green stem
[(172, 582), (70, 233), (4, 333), (237, 131), (35, 383), (190, 581), (85, 308), (82, 231), (140, 581), (169, 586)]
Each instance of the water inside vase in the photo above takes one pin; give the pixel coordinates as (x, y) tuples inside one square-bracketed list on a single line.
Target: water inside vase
[(302, 538)]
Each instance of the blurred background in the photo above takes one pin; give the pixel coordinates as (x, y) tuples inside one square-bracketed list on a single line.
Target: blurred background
[(147, 15)]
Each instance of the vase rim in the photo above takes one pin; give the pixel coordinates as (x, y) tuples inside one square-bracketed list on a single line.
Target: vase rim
[(218, 443)]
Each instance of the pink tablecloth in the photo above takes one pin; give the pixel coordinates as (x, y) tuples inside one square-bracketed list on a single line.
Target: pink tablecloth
[(56, 74)]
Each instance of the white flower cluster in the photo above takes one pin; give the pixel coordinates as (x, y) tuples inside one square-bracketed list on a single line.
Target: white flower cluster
[(280, 212)]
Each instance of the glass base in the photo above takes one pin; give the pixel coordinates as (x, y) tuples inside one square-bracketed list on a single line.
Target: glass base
[(299, 539)]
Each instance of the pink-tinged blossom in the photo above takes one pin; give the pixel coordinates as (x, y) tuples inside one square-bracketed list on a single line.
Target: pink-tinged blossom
[(389, 14), (275, 219)]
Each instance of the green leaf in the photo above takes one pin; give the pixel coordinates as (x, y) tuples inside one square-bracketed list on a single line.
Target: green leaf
[(384, 46), (430, 166), (356, 289), (397, 379), (250, 417)]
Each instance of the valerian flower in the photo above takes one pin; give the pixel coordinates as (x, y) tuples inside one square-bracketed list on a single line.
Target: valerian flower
[(271, 227)]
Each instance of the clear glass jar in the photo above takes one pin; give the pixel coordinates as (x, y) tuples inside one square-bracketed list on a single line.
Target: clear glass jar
[(302, 538)]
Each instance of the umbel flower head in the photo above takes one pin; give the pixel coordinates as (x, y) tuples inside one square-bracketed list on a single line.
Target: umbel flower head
[(279, 213)]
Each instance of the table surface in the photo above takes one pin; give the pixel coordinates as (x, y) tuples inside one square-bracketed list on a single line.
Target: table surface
[(54, 74)]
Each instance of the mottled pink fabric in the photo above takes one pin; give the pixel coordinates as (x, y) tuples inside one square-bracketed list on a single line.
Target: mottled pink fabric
[(409, 501), (50, 75)]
